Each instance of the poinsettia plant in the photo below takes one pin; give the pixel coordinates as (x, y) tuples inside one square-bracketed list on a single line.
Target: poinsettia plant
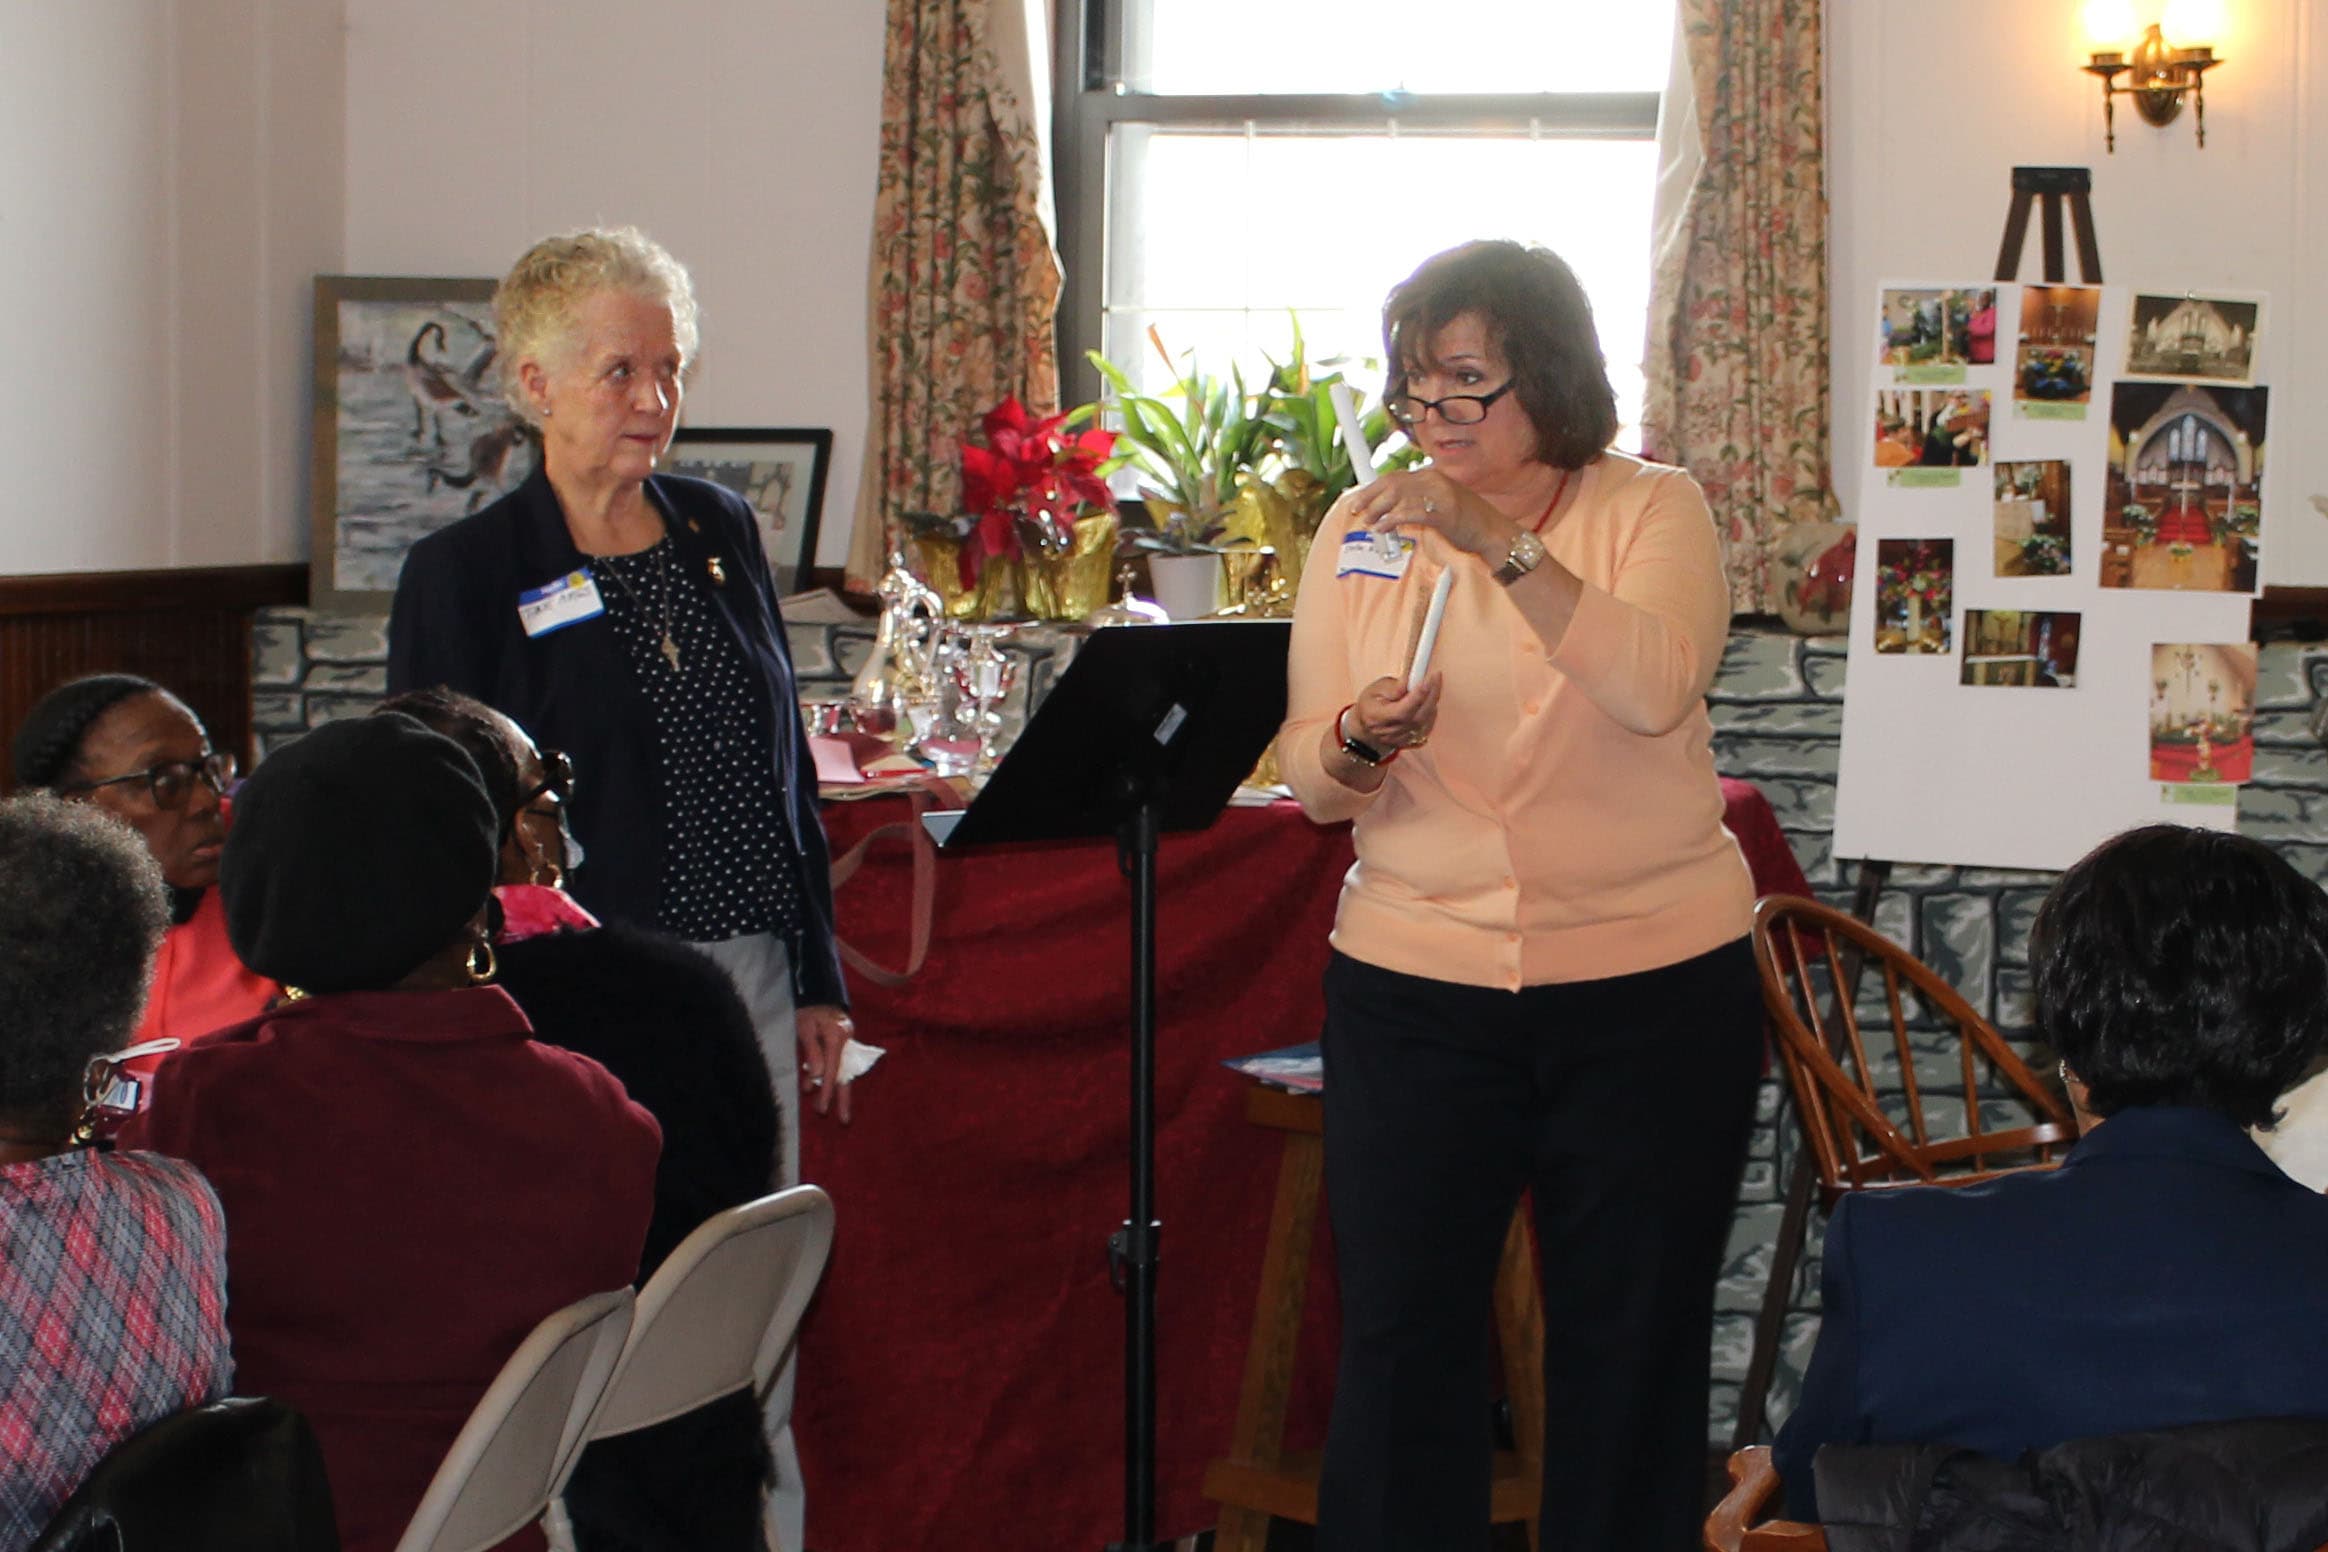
[(1024, 485)]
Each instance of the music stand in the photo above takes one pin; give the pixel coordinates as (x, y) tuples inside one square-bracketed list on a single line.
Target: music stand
[(1150, 729)]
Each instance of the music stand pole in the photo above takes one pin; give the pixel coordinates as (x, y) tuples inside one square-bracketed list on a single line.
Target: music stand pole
[(1132, 1249)]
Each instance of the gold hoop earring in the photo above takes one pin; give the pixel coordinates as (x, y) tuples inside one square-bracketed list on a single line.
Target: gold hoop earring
[(479, 974)]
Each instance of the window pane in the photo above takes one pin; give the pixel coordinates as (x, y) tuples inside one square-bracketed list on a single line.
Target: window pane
[(1210, 244), (1240, 48)]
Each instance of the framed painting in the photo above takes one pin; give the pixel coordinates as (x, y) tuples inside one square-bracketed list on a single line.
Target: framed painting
[(411, 431), (780, 472)]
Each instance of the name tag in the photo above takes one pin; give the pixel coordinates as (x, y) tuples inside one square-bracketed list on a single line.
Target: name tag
[(1374, 555), (553, 606)]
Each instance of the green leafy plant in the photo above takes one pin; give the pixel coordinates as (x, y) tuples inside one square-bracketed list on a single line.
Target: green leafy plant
[(1189, 456)]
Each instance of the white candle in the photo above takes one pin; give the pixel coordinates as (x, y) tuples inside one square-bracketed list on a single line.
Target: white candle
[(1430, 637), (1353, 435)]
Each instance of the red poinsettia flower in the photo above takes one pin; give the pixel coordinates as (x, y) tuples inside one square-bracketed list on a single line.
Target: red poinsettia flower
[(1028, 467)]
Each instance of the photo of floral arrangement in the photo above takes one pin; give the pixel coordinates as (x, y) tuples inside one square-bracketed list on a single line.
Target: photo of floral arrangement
[(1915, 592), (2202, 712), (2032, 515), (2054, 366)]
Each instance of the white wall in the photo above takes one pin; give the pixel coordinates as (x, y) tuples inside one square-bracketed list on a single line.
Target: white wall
[(740, 133), (169, 178), (1931, 107)]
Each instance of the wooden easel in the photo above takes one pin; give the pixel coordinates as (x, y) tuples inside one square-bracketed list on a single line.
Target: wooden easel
[(2054, 185)]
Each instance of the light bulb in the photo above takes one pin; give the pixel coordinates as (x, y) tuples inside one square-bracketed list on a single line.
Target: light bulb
[(2110, 24)]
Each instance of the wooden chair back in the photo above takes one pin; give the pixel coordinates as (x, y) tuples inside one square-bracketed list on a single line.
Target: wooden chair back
[(1735, 1525), (1863, 1130)]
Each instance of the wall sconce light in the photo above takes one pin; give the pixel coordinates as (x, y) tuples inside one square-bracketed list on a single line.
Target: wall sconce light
[(2157, 78)]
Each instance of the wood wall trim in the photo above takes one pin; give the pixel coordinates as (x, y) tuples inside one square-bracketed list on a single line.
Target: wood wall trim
[(208, 588)]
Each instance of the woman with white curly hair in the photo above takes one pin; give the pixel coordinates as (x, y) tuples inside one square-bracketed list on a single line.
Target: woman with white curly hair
[(629, 618)]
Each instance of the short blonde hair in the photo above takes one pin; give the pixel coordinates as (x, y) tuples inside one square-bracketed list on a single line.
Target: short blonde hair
[(535, 304)]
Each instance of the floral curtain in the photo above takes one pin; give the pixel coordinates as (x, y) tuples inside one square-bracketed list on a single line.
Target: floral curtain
[(1737, 362), (965, 281)]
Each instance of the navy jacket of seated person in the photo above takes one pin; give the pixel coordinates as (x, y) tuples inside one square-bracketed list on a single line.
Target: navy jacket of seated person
[(2166, 1273)]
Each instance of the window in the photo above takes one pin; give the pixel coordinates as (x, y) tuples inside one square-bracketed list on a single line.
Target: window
[(1223, 163)]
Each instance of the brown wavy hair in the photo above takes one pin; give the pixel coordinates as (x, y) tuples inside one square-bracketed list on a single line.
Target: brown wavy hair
[(1538, 317)]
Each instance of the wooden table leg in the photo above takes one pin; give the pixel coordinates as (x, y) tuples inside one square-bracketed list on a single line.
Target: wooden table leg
[(1259, 1439)]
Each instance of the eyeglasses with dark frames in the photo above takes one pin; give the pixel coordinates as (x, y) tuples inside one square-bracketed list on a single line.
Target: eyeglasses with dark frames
[(172, 782), (557, 779), (1457, 409)]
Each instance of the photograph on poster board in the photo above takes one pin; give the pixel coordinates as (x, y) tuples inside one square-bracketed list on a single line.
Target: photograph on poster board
[(2206, 338), (2016, 648), (2032, 517), (2053, 367), (2184, 506), (1931, 334), (1930, 428), (1915, 594), (2202, 712)]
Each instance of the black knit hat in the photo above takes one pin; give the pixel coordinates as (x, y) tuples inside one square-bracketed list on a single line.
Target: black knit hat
[(355, 854), (51, 733)]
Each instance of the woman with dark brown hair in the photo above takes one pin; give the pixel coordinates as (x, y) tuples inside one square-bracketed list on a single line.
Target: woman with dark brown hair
[(1540, 981)]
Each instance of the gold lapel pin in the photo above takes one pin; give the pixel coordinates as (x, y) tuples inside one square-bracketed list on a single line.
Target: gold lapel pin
[(718, 572)]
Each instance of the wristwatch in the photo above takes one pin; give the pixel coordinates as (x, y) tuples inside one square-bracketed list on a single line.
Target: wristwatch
[(1527, 553), (1357, 749)]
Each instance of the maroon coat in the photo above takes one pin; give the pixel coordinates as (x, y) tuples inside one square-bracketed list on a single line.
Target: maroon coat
[(411, 1183)]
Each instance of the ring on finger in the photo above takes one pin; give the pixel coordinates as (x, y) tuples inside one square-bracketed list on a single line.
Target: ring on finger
[(1429, 506)]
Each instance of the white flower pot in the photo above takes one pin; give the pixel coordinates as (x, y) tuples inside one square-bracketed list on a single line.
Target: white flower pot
[(1187, 586)]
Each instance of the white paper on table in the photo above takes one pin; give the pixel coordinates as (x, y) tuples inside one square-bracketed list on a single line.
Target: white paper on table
[(836, 764)]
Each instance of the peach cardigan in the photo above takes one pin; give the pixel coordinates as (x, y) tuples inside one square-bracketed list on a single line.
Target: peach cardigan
[(1564, 822)]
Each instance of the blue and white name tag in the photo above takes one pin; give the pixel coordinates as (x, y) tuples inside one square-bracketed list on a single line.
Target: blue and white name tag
[(1374, 554), (569, 600)]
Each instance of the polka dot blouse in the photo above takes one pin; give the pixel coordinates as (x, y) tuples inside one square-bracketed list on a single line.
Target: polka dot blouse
[(730, 863)]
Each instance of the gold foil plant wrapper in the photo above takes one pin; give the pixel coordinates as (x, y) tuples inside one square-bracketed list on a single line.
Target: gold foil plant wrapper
[(1070, 586)]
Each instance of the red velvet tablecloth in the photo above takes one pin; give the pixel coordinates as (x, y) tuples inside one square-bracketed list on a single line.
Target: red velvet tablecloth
[(961, 1370)]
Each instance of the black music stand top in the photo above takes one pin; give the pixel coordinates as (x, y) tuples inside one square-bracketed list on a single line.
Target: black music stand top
[(1168, 716)]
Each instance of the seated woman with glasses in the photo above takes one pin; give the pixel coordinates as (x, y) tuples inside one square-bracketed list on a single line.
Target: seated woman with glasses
[(131, 748), (665, 1019), (112, 1309), (411, 1180)]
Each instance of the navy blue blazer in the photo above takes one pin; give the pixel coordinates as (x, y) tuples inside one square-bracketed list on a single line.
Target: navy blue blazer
[(455, 623), (2166, 1273)]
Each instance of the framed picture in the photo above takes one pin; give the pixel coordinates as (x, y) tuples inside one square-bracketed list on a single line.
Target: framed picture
[(781, 472), (410, 429)]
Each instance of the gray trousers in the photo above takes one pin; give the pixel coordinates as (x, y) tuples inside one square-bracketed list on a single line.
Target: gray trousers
[(762, 972)]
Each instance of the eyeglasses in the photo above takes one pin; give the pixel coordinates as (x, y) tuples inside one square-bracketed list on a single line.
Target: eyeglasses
[(1457, 409), (172, 782), (557, 779)]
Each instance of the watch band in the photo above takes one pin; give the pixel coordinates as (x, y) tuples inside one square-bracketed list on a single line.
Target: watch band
[(1358, 749), (1527, 553)]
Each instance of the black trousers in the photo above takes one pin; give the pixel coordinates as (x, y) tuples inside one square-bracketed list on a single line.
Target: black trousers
[(1625, 1105)]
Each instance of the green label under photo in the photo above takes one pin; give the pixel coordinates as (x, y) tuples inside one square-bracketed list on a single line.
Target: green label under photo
[(2199, 794), (1932, 372), (2046, 409), (1926, 479)]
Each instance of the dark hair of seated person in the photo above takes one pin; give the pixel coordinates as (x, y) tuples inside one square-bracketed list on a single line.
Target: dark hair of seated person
[(2183, 967), (81, 912)]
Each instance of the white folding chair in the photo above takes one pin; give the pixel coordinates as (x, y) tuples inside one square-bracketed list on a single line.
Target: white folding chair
[(720, 1310), (716, 1317), (517, 1447)]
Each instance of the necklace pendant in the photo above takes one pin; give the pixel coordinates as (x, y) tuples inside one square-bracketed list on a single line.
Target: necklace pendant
[(670, 652)]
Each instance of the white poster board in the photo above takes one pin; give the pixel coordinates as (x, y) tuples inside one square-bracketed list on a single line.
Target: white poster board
[(2050, 748)]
